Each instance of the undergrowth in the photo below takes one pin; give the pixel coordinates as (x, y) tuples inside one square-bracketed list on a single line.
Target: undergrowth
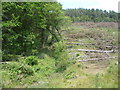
[(54, 70), (17, 73)]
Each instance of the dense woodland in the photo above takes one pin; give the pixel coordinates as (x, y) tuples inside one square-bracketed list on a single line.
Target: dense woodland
[(35, 53), (30, 26), (94, 15)]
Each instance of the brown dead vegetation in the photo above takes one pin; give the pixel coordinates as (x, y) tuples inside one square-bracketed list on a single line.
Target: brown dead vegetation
[(98, 24)]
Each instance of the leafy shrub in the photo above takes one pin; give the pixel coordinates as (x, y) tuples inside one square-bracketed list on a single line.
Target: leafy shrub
[(45, 66), (31, 60), (18, 68), (14, 72), (77, 55), (60, 55)]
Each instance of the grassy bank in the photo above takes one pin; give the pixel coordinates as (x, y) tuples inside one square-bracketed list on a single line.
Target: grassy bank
[(58, 69)]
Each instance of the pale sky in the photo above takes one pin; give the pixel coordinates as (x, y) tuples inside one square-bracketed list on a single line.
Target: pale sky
[(97, 4)]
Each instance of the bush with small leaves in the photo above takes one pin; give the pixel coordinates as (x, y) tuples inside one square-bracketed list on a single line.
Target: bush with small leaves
[(18, 68), (60, 56), (45, 66), (31, 60)]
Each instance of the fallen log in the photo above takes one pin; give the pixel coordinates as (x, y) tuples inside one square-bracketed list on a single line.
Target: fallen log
[(4, 62), (111, 46), (68, 39), (95, 59), (80, 43), (82, 56), (88, 44), (98, 51)]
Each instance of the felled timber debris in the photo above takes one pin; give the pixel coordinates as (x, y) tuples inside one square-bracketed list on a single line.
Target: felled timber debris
[(95, 59), (97, 51), (4, 62)]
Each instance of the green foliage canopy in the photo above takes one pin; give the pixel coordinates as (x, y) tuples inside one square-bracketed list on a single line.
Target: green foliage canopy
[(27, 26)]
